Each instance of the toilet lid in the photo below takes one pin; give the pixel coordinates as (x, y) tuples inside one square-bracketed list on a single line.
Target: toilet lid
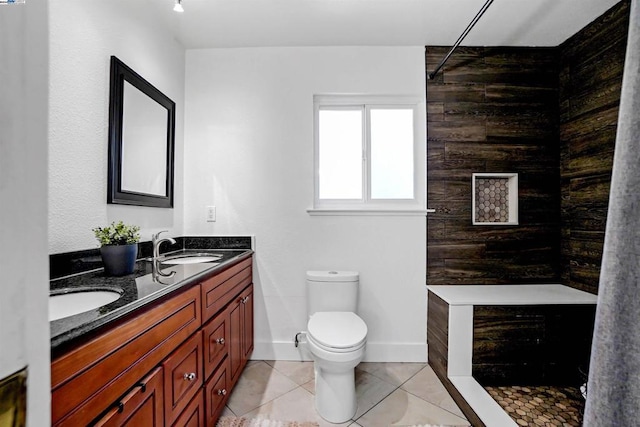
[(337, 329)]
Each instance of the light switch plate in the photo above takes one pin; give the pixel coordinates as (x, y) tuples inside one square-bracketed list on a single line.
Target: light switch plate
[(211, 214)]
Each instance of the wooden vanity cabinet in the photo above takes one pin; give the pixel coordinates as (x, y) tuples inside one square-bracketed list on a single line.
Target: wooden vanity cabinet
[(193, 415), (247, 326), (88, 379), (216, 393), (226, 335), (183, 377), (221, 288), (181, 349), (241, 333), (216, 342), (144, 405)]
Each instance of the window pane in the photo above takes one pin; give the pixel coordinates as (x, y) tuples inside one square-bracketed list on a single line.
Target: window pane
[(392, 154), (340, 149)]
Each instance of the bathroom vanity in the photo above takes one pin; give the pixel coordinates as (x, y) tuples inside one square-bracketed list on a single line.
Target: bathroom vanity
[(506, 335), (169, 353)]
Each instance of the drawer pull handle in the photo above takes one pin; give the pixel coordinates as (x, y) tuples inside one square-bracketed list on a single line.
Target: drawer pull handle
[(222, 392), (190, 376), (220, 341), (244, 300)]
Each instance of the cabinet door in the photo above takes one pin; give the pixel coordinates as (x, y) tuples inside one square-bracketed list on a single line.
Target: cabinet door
[(141, 407), (182, 376), (216, 342), (216, 394), (240, 314), (234, 313), (193, 415), (247, 323)]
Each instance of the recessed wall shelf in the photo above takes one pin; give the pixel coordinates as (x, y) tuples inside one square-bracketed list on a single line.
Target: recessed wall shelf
[(494, 198)]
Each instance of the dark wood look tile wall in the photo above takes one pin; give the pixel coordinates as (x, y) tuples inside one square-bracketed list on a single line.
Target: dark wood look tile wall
[(532, 345), (493, 110), (438, 334), (438, 350), (592, 63)]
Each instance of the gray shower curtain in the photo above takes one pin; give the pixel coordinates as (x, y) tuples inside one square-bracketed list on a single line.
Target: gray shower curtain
[(613, 398)]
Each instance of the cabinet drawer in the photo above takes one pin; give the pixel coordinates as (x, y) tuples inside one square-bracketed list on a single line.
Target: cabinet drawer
[(216, 343), (193, 415), (182, 376), (216, 394), (142, 406), (88, 378), (220, 289)]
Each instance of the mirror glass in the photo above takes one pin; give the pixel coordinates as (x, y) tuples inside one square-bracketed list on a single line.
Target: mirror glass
[(141, 139), (143, 146)]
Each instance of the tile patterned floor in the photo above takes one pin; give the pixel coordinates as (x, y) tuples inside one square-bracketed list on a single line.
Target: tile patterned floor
[(546, 406), (399, 394)]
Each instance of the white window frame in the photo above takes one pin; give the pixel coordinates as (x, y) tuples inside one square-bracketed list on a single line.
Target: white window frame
[(366, 205)]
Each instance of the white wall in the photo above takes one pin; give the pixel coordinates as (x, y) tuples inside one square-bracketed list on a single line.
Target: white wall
[(24, 326), (84, 34), (249, 147)]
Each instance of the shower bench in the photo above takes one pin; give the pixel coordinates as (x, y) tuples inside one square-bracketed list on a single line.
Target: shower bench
[(506, 334)]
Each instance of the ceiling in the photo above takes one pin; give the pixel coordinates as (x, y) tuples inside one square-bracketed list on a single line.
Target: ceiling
[(259, 23)]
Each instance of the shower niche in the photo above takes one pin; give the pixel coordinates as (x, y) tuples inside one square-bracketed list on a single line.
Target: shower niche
[(494, 198)]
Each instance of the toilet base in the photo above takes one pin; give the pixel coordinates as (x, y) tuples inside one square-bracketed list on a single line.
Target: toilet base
[(335, 395)]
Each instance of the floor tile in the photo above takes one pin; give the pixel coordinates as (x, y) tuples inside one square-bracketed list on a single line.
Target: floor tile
[(402, 408), (310, 386), (226, 412), (393, 373), (258, 384), (370, 390), (296, 405), (298, 372), (426, 385)]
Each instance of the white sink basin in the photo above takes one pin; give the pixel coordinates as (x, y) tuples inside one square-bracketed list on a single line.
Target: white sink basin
[(186, 259), (65, 305)]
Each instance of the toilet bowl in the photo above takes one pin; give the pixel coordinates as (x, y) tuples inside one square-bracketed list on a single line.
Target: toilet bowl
[(336, 341)]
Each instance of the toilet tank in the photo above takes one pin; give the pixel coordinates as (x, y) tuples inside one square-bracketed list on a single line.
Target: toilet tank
[(332, 291)]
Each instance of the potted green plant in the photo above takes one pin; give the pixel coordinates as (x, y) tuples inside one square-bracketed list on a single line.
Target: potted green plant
[(118, 247)]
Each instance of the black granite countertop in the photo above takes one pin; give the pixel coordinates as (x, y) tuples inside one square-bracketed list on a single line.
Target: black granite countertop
[(138, 290)]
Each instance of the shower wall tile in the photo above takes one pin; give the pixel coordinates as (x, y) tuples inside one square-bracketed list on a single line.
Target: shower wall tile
[(592, 63), (549, 114), (493, 110)]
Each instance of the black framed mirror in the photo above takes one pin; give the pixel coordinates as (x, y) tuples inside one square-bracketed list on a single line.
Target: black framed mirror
[(141, 141)]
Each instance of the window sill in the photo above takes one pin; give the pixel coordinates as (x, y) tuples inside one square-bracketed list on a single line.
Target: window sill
[(369, 212)]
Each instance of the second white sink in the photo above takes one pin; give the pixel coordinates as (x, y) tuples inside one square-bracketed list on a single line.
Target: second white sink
[(187, 259)]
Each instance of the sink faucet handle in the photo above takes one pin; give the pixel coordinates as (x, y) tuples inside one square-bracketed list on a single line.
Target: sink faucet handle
[(155, 236)]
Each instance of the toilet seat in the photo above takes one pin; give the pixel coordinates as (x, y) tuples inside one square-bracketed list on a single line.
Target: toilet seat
[(337, 331)]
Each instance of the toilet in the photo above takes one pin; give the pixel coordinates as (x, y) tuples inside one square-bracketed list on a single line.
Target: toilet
[(336, 339)]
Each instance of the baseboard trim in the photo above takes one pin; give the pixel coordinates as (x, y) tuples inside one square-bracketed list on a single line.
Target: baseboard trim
[(375, 352)]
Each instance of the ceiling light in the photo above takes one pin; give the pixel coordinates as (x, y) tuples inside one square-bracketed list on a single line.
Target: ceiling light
[(178, 6)]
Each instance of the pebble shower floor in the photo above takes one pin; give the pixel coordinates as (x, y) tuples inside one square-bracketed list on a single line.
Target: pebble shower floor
[(546, 406)]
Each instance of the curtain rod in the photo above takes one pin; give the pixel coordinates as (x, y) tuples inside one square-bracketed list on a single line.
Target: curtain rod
[(462, 36)]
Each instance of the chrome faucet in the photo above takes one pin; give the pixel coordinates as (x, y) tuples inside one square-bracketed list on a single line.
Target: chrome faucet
[(157, 243), (157, 272)]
